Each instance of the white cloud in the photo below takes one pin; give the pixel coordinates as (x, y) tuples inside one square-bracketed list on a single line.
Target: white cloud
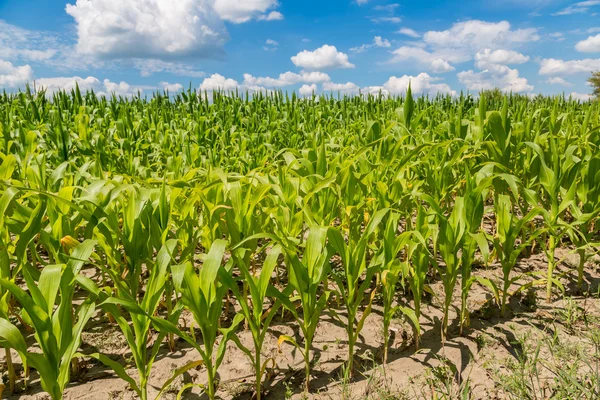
[(438, 61), (48, 48), (347, 87), (12, 76), (239, 11), (420, 84), (375, 90), (486, 57), (361, 2), (171, 87), (581, 96), (409, 32), (52, 85), (271, 45), (149, 67), (495, 76), (377, 42), (104, 88), (286, 79), (440, 66), (438, 50), (390, 8), (392, 20), (589, 45), (217, 82), (325, 57), (552, 66), (307, 90), (272, 16), (22, 44), (150, 28), (578, 8), (557, 81), (120, 89), (558, 36), (360, 48), (477, 35)]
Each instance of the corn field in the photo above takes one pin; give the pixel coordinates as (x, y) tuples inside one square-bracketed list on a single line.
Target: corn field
[(189, 220)]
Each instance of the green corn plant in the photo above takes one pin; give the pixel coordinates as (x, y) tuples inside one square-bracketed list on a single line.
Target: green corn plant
[(559, 184), (473, 238), (419, 261), (260, 289), (141, 312), (48, 308), (307, 277), (8, 273), (585, 210), (508, 249), (357, 275), (203, 294), (391, 267), (452, 230)]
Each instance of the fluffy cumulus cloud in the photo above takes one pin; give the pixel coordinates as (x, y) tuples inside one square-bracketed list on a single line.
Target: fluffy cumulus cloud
[(159, 29), (325, 57), (307, 90), (52, 85), (486, 57), (217, 82), (379, 42), (582, 96), (12, 76), (272, 16), (436, 61), (487, 42), (495, 76), (557, 80), (345, 88), (421, 84), (239, 11), (171, 87), (589, 45), (476, 35), (552, 66), (101, 88)]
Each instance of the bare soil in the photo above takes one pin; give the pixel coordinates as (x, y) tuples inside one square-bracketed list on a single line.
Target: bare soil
[(479, 355)]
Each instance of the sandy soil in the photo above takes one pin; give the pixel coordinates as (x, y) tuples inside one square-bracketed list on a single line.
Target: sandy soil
[(478, 354)]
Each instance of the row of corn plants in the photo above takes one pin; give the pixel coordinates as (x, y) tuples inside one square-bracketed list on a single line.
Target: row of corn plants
[(237, 210)]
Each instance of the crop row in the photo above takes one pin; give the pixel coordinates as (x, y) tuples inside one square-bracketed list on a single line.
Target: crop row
[(273, 203)]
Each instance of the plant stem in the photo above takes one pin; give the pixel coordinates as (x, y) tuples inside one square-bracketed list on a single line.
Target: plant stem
[(386, 339), (350, 330), (551, 249), (144, 388), (307, 343), (12, 377), (580, 268), (257, 370), (211, 377)]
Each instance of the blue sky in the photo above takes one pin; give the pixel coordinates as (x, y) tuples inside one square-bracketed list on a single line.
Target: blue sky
[(125, 46)]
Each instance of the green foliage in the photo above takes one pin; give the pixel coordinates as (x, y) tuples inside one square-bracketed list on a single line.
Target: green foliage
[(190, 201)]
